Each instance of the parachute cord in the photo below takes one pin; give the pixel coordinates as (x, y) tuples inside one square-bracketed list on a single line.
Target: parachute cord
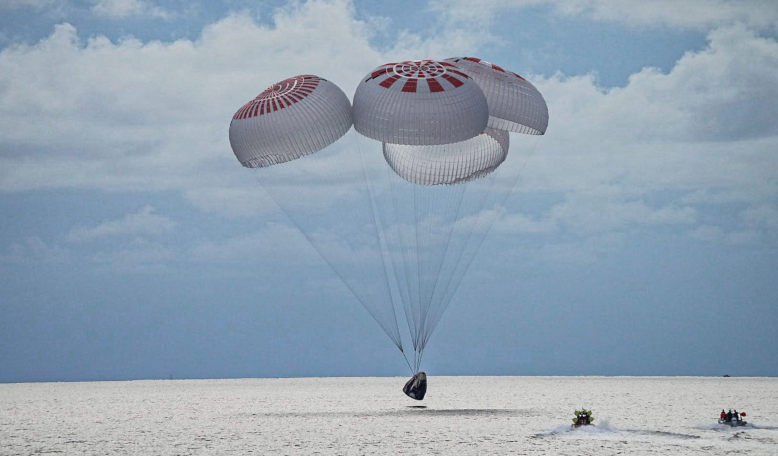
[(479, 204), (398, 343), (501, 205), (407, 362), (376, 221), (405, 256), (457, 200), (418, 271), (393, 225), (420, 209)]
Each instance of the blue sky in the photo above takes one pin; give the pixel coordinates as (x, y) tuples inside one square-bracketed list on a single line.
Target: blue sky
[(133, 245)]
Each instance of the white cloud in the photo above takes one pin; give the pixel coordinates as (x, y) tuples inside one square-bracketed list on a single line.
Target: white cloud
[(137, 258), (596, 214), (127, 8), (718, 93), (33, 4), (687, 14), (273, 241), (151, 116), (33, 249), (232, 200), (765, 215), (520, 223), (764, 192), (704, 128), (587, 251), (145, 222), (288, 244), (716, 234), (135, 116), (698, 14)]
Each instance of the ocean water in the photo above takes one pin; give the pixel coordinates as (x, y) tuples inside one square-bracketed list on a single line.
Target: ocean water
[(335, 416)]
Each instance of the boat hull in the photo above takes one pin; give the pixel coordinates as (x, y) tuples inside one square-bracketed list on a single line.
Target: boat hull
[(733, 423)]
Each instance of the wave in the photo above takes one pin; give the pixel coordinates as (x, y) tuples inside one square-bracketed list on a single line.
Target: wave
[(604, 428)]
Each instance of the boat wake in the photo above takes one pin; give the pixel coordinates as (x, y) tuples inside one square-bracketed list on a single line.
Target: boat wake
[(724, 427), (761, 427), (556, 431), (605, 430)]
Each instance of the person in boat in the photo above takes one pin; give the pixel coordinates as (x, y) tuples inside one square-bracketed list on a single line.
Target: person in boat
[(736, 416), (729, 416), (582, 417), (723, 415), (579, 418)]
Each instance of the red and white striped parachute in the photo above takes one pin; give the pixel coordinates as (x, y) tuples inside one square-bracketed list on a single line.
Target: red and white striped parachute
[(292, 118), (419, 103), (514, 103)]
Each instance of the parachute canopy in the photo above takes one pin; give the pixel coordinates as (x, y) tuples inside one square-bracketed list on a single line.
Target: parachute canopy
[(514, 104), (292, 118), (418, 103), (450, 163)]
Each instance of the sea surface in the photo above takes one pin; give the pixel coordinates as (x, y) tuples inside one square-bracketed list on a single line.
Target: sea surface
[(366, 416)]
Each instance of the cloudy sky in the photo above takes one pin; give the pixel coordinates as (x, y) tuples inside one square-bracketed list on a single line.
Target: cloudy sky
[(133, 245)]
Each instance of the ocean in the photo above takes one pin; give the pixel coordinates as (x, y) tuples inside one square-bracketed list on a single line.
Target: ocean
[(366, 416)]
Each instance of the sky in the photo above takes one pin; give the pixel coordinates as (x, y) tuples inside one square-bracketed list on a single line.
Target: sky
[(641, 239)]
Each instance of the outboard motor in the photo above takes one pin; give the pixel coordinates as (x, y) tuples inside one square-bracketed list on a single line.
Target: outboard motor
[(416, 387)]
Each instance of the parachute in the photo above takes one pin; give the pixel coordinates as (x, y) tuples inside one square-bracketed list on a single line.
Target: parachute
[(449, 163), (273, 128), (419, 103), (399, 207), (514, 104)]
